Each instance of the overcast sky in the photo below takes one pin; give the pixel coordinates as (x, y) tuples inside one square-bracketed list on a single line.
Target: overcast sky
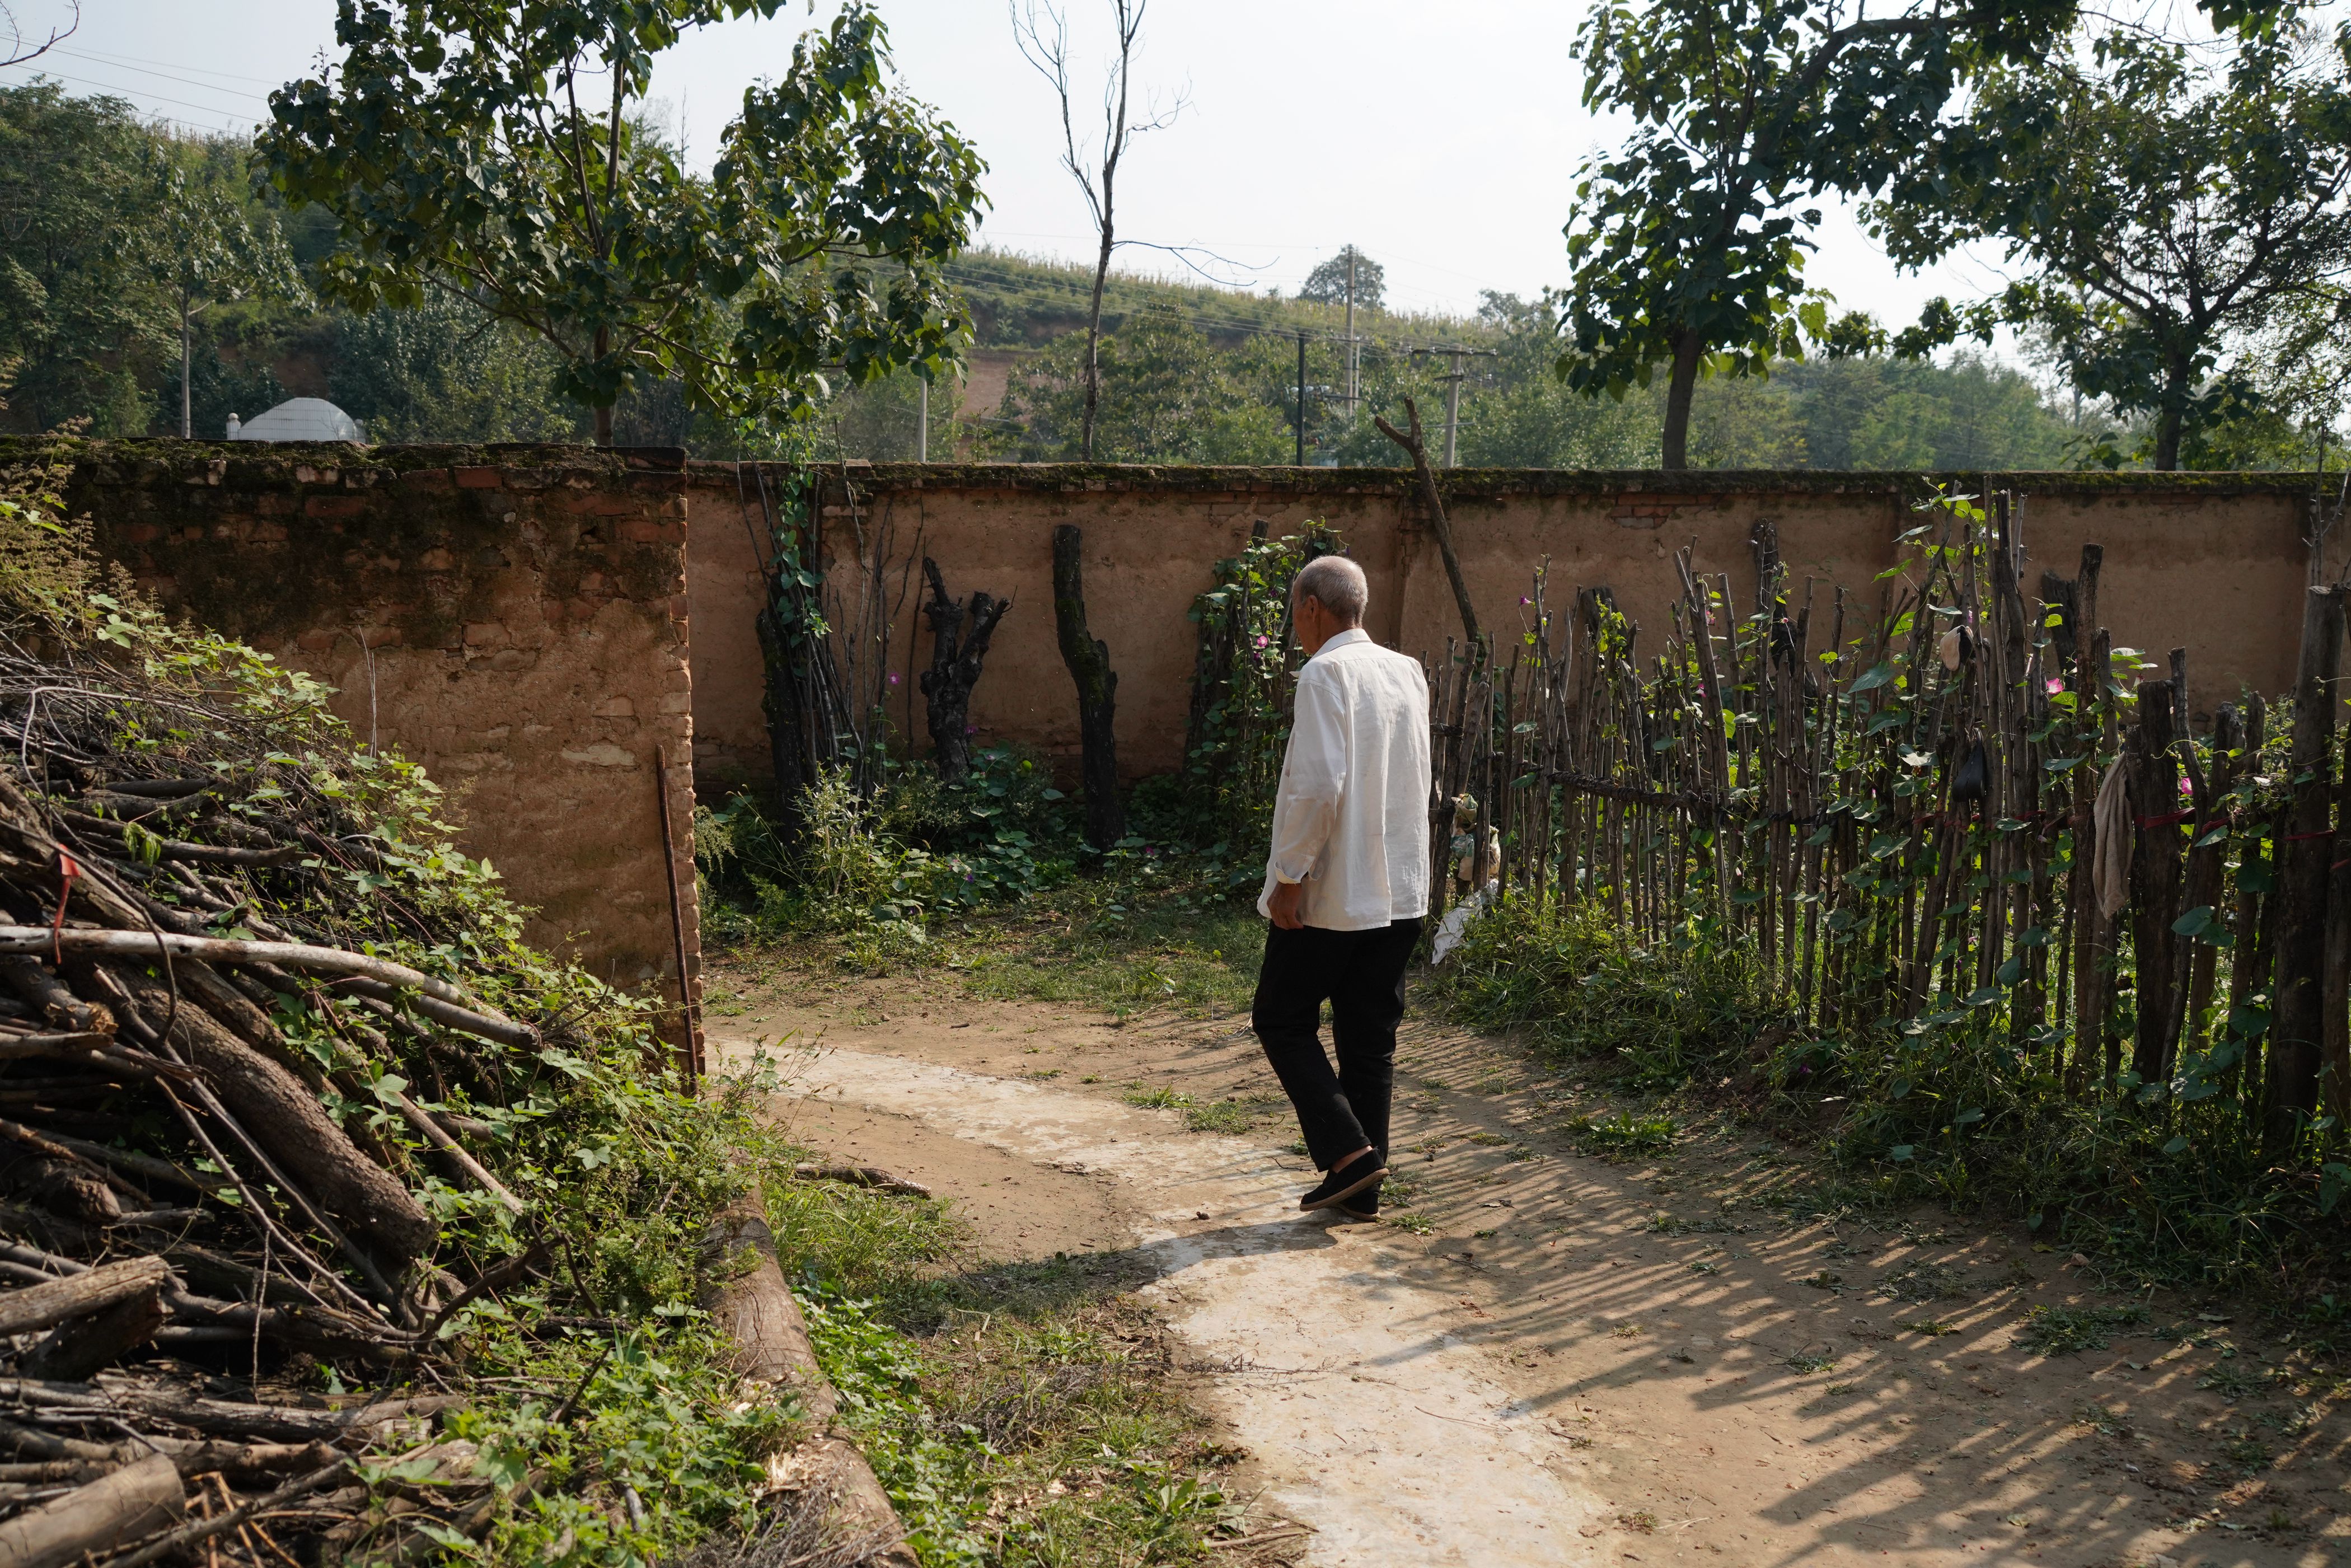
[(1441, 139)]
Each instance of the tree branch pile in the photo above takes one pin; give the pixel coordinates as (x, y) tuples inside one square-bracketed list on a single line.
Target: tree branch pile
[(287, 1113)]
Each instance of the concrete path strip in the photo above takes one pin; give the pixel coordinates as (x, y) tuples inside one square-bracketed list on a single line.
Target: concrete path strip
[(1377, 1426)]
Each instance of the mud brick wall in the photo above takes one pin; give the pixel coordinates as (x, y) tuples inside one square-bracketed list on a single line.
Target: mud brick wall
[(515, 619), (2211, 563)]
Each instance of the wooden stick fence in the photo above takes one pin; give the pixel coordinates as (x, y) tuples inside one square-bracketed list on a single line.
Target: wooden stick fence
[(1952, 809)]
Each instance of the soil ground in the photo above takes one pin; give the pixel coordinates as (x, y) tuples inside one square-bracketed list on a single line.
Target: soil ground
[(1543, 1357)]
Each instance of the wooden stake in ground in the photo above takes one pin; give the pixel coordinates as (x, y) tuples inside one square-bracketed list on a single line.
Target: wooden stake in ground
[(1089, 662), (1434, 505), (2308, 840)]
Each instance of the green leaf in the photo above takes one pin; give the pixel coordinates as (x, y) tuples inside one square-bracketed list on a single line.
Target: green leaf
[(1876, 675)]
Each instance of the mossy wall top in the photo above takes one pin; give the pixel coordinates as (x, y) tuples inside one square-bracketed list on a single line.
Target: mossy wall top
[(512, 617)]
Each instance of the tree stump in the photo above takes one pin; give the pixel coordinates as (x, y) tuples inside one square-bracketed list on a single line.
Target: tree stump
[(1089, 662), (954, 670)]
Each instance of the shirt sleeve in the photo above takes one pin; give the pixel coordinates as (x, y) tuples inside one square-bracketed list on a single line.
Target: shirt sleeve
[(1313, 776)]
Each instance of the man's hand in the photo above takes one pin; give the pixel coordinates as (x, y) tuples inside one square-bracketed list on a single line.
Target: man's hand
[(1283, 905)]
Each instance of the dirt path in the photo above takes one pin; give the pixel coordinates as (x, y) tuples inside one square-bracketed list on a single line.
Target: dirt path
[(1580, 1362)]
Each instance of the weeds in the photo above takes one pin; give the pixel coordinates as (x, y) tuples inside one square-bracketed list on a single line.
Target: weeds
[(2067, 1331), (1625, 1133)]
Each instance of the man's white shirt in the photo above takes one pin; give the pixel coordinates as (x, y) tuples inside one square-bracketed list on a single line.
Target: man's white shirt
[(1351, 820)]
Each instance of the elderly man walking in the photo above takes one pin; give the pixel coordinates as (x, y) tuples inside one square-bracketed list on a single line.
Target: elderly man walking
[(1346, 884)]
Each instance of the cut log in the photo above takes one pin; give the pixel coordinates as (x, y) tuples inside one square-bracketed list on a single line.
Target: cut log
[(61, 1300), (135, 1500), (80, 1347), (303, 1140), (756, 1307), (30, 978), (1088, 659)]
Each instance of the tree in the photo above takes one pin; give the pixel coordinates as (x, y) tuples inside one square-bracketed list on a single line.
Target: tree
[(206, 248), (78, 316), (1043, 35), (1688, 243), (1330, 284), (456, 149), (2168, 205)]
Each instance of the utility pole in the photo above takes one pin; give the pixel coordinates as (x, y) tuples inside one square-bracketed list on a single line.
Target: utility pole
[(1452, 405), (1301, 400), (1453, 379), (1351, 386), (922, 429)]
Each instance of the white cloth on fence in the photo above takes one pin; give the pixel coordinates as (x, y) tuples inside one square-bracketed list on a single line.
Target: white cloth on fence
[(1456, 924), (2111, 832), (1351, 819)]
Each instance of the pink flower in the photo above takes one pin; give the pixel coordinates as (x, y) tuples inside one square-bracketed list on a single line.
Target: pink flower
[(893, 677), (2187, 787), (1261, 640), (1523, 600), (2055, 684)]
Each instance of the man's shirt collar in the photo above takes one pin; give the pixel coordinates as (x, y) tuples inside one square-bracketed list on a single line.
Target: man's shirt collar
[(1342, 639)]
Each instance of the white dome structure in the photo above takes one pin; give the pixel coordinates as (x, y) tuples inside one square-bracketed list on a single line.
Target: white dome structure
[(299, 418)]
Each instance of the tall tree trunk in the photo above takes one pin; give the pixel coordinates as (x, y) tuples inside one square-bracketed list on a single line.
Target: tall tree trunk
[(604, 413), (1089, 662), (1688, 349), (2297, 1024), (1093, 329), (2168, 419)]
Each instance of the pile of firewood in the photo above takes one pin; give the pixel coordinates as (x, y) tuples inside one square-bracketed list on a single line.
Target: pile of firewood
[(190, 1237)]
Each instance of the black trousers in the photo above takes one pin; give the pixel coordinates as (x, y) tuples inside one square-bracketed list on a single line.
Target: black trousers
[(1361, 974)]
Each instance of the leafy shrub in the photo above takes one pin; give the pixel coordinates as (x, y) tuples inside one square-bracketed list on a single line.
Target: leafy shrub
[(1583, 988)]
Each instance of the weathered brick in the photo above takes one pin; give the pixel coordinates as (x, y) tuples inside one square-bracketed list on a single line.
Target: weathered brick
[(478, 478)]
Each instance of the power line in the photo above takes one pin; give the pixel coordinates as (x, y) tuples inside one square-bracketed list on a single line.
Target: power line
[(167, 76), (104, 58), (112, 90)]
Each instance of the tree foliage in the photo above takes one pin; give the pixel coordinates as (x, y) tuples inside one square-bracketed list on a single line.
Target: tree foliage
[(455, 147), (1689, 241), (77, 316), (2167, 206), (1329, 284)]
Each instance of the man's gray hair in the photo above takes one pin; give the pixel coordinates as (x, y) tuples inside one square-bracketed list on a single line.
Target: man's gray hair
[(1337, 584)]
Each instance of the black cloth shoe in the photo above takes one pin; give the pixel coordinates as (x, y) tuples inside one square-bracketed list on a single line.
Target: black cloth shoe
[(1366, 1170), (1364, 1204)]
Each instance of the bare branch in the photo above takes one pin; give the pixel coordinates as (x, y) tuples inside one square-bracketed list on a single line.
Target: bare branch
[(15, 33)]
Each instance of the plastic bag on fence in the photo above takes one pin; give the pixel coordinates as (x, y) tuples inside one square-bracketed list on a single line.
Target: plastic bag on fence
[(2110, 817), (1456, 924)]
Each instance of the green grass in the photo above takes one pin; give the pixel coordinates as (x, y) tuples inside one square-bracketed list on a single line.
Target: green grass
[(1121, 946), (1234, 1117), (1050, 1435)]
